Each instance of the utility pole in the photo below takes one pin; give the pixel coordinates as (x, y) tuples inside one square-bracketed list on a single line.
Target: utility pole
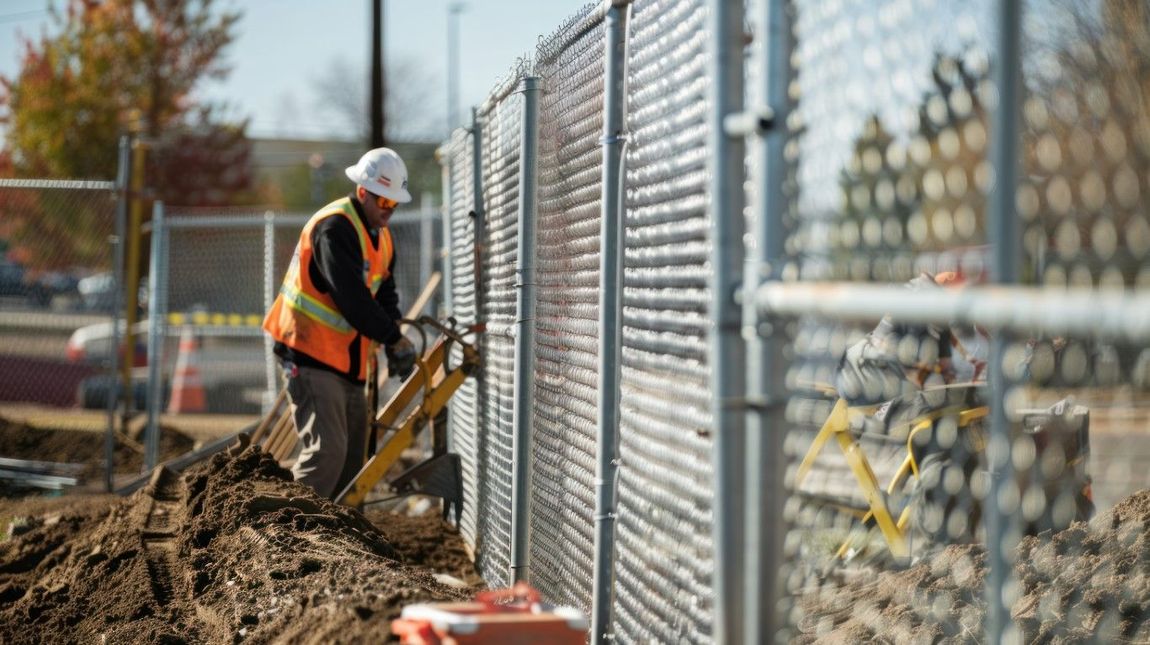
[(376, 108)]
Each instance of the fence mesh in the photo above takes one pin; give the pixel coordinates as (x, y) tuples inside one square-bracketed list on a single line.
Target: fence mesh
[(891, 156), (216, 291), (665, 482), (56, 299), (1082, 204), (570, 65), (219, 285), (463, 429), (889, 451), (502, 124)]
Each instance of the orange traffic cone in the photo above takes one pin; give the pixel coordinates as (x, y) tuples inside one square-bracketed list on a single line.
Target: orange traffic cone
[(187, 388)]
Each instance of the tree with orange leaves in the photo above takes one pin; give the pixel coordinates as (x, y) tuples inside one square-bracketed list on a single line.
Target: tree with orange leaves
[(108, 63)]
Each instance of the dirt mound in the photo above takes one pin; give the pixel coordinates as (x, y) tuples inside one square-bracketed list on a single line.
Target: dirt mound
[(1089, 583), (233, 550), (20, 441), (421, 540)]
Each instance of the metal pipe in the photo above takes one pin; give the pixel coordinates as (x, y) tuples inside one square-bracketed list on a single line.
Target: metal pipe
[(1004, 228), (766, 371), (155, 338), (269, 297), (477, 208), (1081, 313), (121, 226), (282, 219), (725, 161), (524, 402), (59, 184), (426, 215), (610, 357), (445, 215)]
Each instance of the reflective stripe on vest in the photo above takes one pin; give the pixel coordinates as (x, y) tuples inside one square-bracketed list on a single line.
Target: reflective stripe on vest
[(305, 304)]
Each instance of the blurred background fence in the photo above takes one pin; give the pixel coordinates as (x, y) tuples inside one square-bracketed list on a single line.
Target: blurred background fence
[(872, 143), (212, 275), (56, 277), (220, 273)]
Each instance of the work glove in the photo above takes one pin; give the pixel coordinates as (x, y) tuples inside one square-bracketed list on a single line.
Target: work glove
[(400, 358)]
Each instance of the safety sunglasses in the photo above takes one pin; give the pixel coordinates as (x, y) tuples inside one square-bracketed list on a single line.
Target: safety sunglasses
[(384, 202)]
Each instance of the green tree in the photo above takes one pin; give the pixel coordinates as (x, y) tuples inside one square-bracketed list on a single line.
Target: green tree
[(108, 64)]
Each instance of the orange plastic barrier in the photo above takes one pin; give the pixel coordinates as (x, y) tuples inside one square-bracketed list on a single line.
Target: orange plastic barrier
[(515, 616)]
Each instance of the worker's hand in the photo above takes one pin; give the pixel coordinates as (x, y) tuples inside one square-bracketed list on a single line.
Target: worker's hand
[(946, 369), (979, 369), (400, 358)]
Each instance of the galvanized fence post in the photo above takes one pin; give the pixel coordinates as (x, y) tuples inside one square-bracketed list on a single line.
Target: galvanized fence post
[(610, 320), (445, 221), (727, 350), (124, 164), (765, 369), (269, 296), (524, 402), (157, 314), (477, 213), (1004, 229)]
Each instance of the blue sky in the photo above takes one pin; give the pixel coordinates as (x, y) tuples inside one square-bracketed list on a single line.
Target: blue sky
[(284, 47)]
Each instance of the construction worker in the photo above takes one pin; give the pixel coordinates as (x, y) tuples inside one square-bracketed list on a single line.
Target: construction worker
[(337, 297), (896, 359)]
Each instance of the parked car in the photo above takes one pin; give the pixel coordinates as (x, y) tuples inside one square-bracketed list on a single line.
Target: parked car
[(93, 343), (231, 364), (55, 289), (12, 279), (98, 292)]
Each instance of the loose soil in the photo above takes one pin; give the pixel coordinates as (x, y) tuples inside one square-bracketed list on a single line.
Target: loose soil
[(232, 550), (20, 441), (1088, 583)]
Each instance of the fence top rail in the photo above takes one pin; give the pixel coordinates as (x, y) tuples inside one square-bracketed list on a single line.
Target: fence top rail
[(66, 184), (1077, 312), (257, 220)]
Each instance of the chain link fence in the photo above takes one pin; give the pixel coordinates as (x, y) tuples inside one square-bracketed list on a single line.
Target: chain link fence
[(221, 270), (570, 65), (982, 425), (919, 414), (666, 482), (664, 487), (56, 288)]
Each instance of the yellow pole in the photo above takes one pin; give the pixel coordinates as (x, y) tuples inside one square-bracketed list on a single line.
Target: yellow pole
[(132, 261)]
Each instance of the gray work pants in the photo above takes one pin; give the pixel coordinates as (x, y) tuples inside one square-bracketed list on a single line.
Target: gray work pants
[(330, 415)]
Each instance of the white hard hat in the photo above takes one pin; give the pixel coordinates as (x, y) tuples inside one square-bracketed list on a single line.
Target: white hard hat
[(383, 173)]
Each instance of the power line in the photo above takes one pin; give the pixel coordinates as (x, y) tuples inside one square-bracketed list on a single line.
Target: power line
[(21, 16)]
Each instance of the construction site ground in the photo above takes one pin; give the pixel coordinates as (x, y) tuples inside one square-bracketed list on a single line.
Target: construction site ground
[(232, 550), (235, 551)]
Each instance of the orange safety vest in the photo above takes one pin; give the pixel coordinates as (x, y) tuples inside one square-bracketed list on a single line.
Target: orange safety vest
[(305, 319)]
